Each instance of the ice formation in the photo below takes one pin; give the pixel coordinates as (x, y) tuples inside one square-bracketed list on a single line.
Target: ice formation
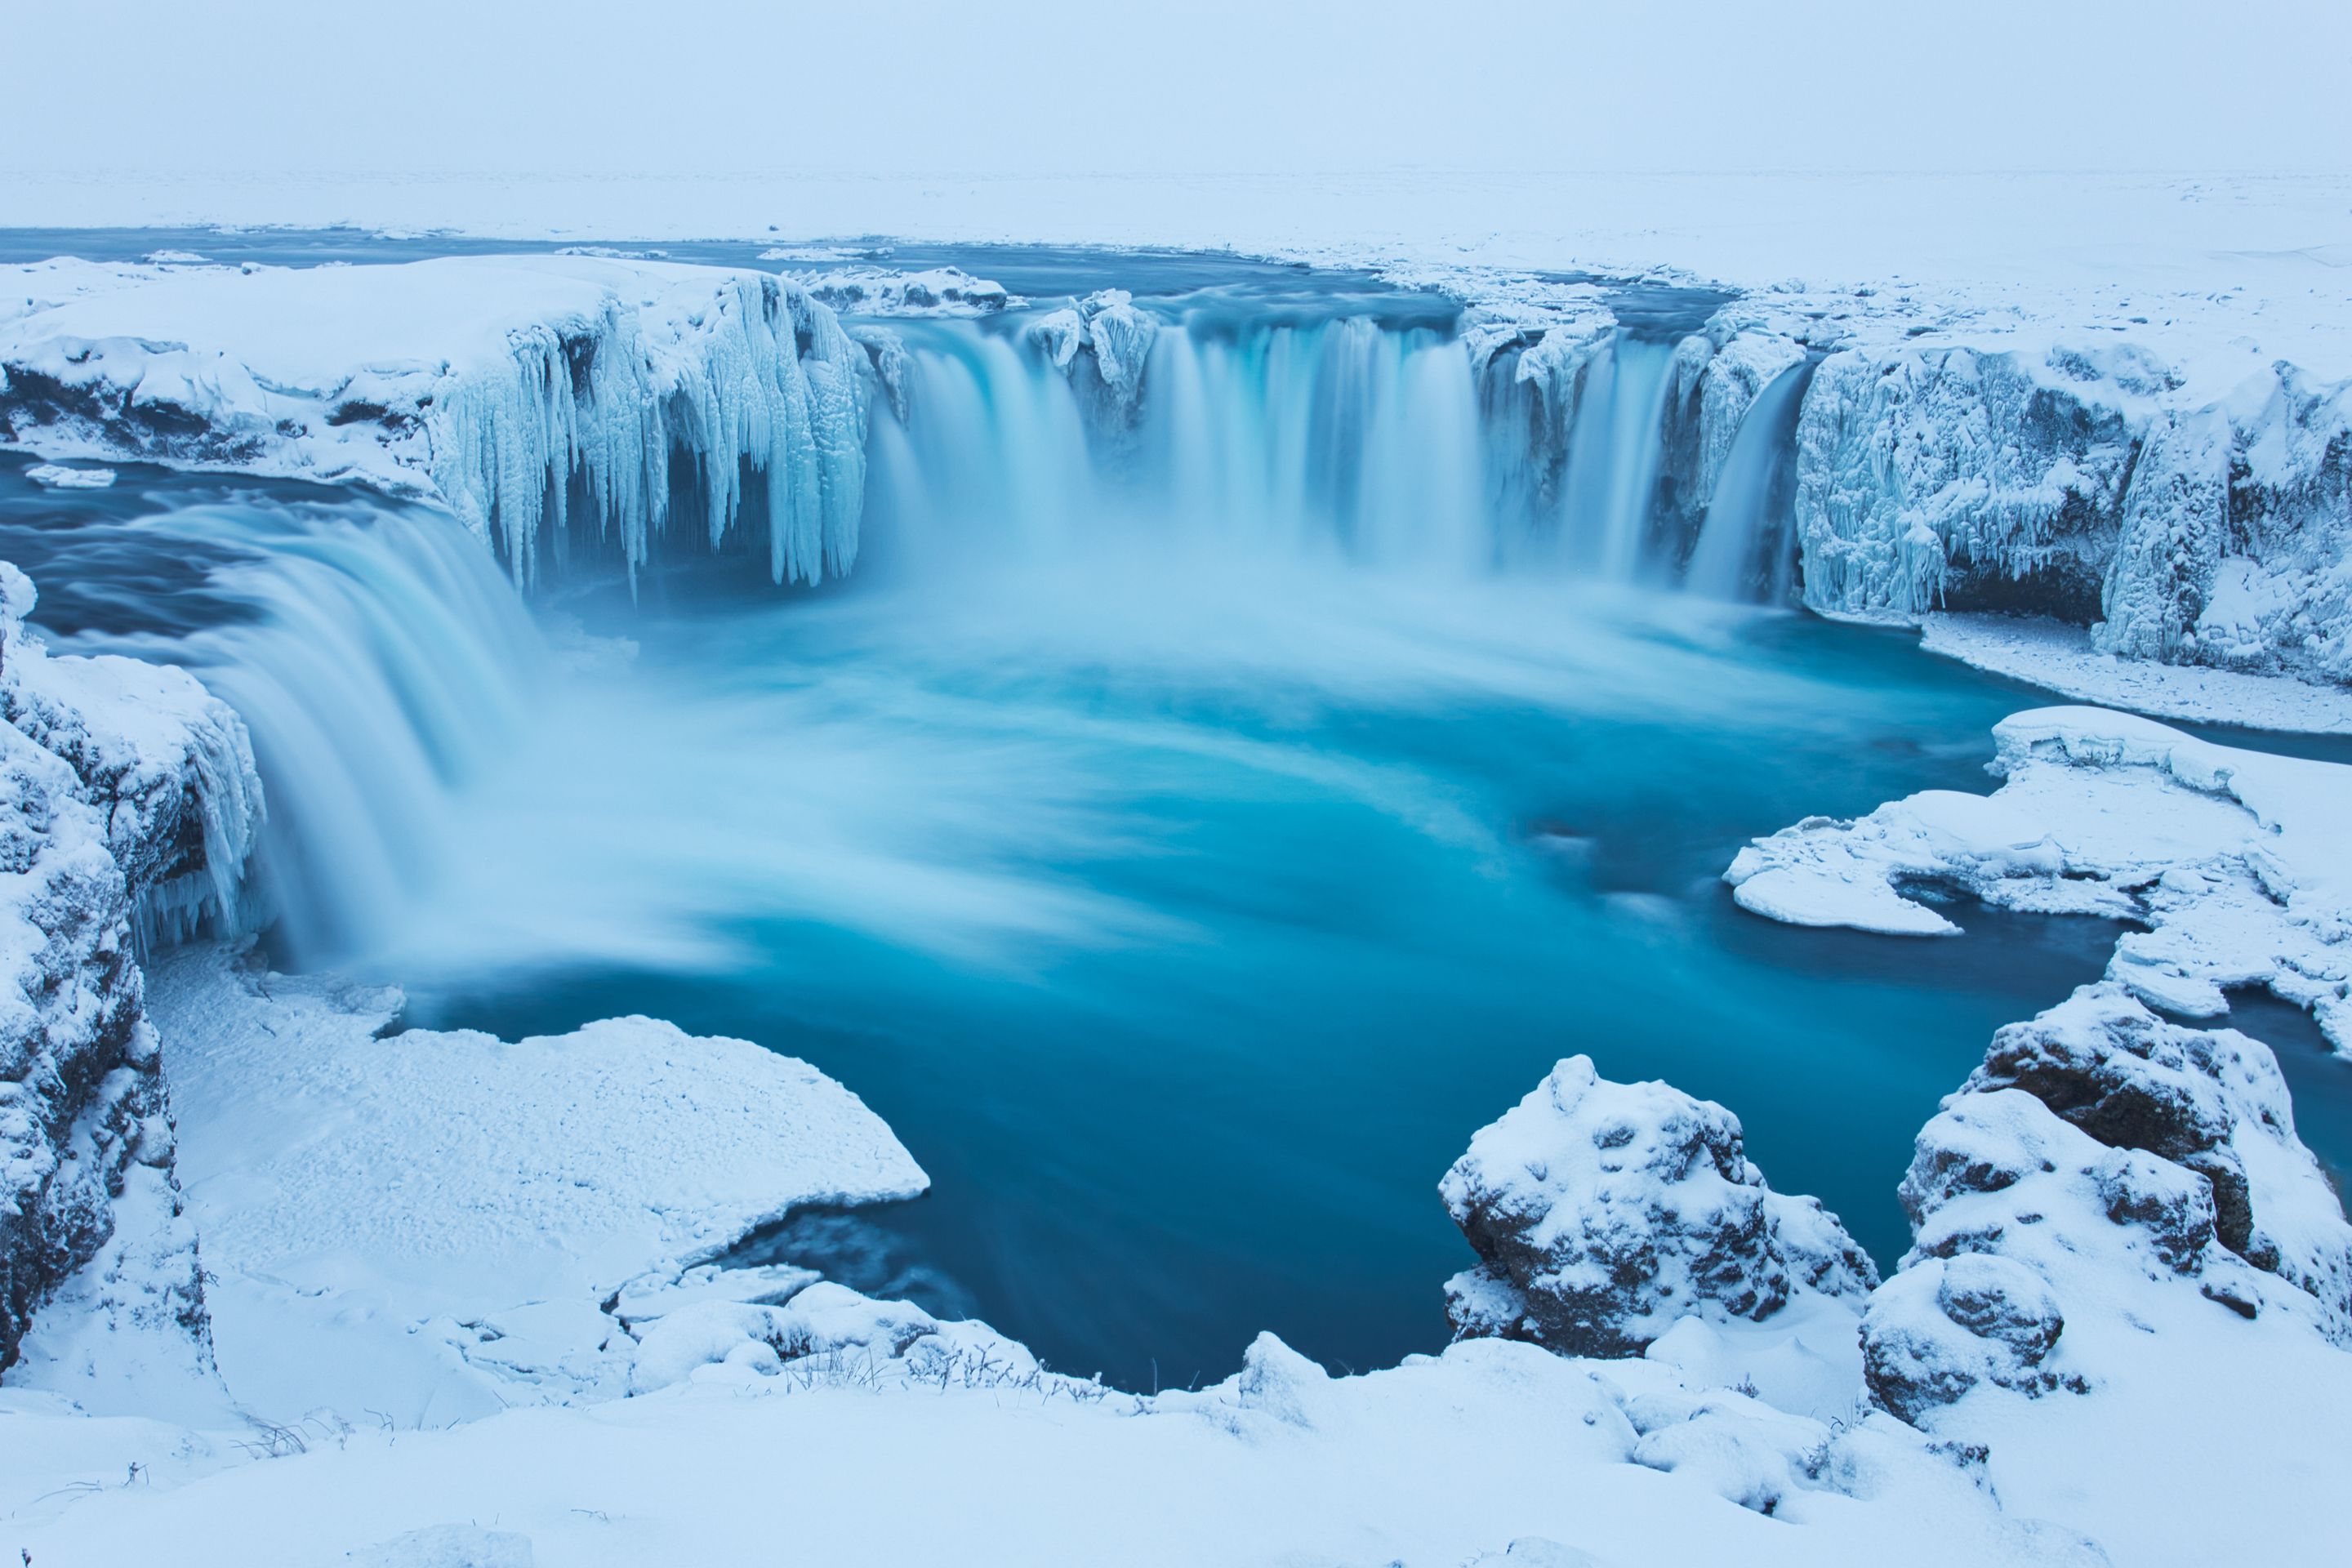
[(1102, 343), (521, 390), (2090, 486)]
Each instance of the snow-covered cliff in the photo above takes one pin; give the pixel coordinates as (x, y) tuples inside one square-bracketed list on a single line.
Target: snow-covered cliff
[(128, 800)]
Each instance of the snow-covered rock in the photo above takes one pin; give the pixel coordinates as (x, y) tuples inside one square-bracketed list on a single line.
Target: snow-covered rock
[(2113, 1219), (1102, 343), (883, 292), (2238, 863), (118, 782), (518, 389), (59, 477), (1604, 1212)]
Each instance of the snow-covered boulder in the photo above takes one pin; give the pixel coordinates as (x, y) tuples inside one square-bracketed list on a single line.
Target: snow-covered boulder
[(2099, 1159), (1605, 1212), (519, 389), (118, 782), (1102, 343)]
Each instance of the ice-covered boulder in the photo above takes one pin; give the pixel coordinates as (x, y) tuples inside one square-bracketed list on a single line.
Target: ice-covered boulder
[(1604, 1212), (1102, 343), (118, 782)]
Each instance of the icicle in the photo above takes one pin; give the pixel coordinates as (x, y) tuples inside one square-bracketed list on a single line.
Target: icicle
[(762, 375)]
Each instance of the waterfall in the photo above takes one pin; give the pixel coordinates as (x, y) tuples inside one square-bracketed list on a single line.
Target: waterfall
[(1250, 440), (1336, 437), (379, 659), (1615, 455), (1746, 547)]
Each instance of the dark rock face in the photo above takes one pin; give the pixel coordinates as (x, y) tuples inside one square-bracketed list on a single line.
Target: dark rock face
[(1604, 1212), (2100, 1151)]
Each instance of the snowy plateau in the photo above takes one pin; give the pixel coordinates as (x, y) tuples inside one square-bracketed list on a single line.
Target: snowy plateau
[(285, 1281)]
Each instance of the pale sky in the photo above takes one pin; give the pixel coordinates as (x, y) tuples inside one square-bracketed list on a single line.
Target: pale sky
[(1218, 86)]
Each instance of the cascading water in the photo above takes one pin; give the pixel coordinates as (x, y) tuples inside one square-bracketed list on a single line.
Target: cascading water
[(1275, 441), (377, 655), (1615, 455), (1746, 548)]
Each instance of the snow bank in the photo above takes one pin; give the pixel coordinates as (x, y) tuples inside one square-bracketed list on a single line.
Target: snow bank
[(435, 1224), (2130, 1282), (123, 782), (2239, 864), (2064, 658), (1605, 1212), (515, 388), (884, 1436)]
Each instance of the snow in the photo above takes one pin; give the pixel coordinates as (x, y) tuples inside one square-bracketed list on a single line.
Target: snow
[(64, 479), (492, 383), (2060, 657), (2238, 863), (429, 1224)]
